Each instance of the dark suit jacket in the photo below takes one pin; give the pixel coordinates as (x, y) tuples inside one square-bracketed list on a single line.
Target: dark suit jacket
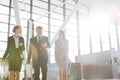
[(10, 51), (38, 50)]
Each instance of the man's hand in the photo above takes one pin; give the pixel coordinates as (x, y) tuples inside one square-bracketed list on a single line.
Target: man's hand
[(44, 45)]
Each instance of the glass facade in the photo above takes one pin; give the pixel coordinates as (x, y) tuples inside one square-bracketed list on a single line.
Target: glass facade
[(51, 14)]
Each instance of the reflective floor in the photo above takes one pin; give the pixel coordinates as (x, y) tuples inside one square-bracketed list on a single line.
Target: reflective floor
[(22, 76), (51, 73), (100, 79)]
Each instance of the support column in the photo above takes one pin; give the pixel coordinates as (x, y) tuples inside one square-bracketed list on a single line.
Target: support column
[(30, 33), (78, 29), (16, 11)]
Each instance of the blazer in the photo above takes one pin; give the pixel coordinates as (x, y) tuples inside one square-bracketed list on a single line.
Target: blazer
[(61, 49), (10, 50), (35, 48)]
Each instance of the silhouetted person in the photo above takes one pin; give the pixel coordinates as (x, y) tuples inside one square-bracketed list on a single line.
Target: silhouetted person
[(61, 55)]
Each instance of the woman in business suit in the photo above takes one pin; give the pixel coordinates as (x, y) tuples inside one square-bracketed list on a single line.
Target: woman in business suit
[(61, 55), (15, 46)]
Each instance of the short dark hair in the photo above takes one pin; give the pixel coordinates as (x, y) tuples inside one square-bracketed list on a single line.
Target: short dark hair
[(16, 27), (39, 27)]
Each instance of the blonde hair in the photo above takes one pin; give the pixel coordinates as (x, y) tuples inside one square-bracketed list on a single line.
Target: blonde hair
[(61, 31)]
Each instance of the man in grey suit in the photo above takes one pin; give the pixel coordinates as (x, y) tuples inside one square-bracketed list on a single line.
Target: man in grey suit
[(38, 45)]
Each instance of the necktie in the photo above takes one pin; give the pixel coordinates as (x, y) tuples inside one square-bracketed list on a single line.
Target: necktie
[(43, 49), (40, 42)]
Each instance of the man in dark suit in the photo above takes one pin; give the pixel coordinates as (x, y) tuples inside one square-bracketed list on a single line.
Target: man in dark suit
[(38, 45)]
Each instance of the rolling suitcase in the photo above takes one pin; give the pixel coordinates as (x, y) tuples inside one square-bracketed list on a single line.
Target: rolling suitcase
[(75, 71)]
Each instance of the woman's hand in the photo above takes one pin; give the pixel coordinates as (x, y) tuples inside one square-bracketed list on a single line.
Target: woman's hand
[(20, 44), (44, 45)]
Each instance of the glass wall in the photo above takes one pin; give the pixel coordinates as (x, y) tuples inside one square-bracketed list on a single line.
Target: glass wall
[(97, 31), (4, 15)]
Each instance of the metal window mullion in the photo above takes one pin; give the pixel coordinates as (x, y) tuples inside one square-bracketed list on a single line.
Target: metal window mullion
[(64, 10), (16, 11), (9, 17), (109, 37), (90, 36), (31, 8), (49, 20), (90, 43), (117, 35), (78, 29), (101, 46)]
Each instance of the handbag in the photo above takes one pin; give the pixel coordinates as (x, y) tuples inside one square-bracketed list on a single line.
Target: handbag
[(28, 68)]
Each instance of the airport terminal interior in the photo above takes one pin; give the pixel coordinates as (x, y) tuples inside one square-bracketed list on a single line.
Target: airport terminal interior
[(92, 28)]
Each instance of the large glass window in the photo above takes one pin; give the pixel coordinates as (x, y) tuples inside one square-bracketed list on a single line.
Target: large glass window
[(98, 26), (3, 48), (4, 2), (4, 18), (4, 12)]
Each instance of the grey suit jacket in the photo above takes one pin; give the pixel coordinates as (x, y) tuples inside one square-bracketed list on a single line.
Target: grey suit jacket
[(61, 49)]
